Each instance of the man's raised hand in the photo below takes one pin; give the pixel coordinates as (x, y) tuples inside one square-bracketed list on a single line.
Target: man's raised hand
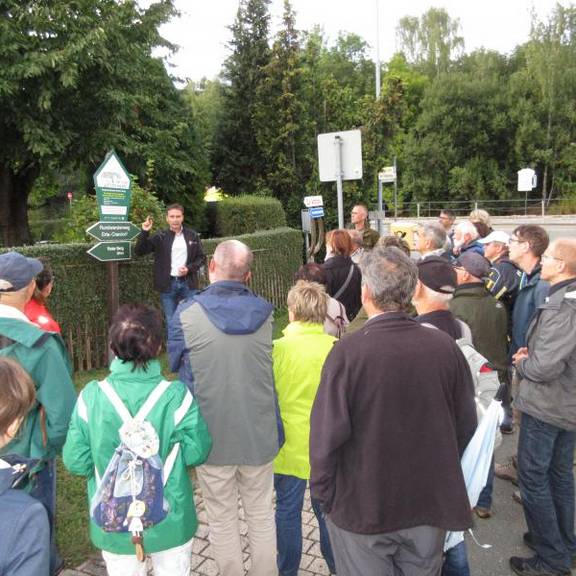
[(147, 224)]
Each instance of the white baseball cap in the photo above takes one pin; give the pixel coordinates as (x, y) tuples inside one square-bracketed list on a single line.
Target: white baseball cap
[(496, 236)]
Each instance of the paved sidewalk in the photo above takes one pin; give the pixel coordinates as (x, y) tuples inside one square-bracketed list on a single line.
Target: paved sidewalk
[(202, 563), (503, 532)]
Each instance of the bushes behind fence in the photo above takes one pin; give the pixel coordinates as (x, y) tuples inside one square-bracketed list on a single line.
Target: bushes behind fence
[(79, 298), (246, 214)]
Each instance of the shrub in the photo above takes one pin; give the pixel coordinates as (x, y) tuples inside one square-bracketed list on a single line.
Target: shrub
[(247, 214), (79, 298)]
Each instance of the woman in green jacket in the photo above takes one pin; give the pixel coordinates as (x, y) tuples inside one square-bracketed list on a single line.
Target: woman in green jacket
[(136, 338), (298, 360)]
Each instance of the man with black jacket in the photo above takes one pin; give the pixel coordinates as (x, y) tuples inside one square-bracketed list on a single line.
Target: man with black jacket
[(178, 256), (504, 276), (503, 282), (383, 411)]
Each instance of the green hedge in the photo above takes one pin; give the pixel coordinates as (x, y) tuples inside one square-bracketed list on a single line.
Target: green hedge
[(79, 298), (246, 214)]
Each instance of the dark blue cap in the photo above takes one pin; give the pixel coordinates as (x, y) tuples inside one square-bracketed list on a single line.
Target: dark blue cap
[(17, 271)]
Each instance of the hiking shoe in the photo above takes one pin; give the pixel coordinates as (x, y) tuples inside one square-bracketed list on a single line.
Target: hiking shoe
[(483, 512), (527, 539), (506, 472), (534, 567)]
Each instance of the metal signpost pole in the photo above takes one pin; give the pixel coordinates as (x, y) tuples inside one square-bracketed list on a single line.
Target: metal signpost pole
[(380, 206), (339, 187), (395, 190)]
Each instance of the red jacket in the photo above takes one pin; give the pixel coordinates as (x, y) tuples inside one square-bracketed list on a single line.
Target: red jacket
[(38, 313)]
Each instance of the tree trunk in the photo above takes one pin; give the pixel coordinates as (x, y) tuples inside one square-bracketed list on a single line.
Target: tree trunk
[(14, 190)]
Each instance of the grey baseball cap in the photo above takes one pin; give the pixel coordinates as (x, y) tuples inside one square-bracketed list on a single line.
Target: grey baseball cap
[(17, 271), (474, 264)]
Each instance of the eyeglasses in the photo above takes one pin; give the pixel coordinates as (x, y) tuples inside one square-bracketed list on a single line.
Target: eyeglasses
[(517, 241), (550, 257)]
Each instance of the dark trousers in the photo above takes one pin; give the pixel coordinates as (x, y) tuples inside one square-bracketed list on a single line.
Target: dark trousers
[(485, 498), (545, 459), (45, 492), (411, 552), (289, 501), (178, 292)]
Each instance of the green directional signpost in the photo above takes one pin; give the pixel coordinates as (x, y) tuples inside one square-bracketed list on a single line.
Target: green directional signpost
[(110, 251), (113, 195), (113, 231)]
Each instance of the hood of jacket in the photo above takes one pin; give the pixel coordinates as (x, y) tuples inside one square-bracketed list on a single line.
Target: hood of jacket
[(14, 469), (233, 308)]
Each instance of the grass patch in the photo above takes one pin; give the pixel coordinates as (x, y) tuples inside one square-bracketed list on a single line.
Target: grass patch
[(280, 322), (72, 503)]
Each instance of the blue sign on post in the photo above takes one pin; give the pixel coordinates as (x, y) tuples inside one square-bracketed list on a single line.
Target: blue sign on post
[(316, 212)]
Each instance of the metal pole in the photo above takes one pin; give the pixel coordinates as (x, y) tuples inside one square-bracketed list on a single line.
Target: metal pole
[(418, 210), (379, 207), (395, 190), (113, 296), (339, 189), (378, 50)]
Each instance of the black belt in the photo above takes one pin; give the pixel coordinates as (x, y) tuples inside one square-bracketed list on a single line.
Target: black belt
[(179, 278)]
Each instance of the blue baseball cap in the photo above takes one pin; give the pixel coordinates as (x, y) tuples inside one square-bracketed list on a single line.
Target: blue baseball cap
[(17, 271)]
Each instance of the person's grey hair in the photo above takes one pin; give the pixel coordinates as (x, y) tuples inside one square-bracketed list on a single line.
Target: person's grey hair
[(233, 259), (438, 297), (435, 233), (356, 238), (467, 227), (390, 276)]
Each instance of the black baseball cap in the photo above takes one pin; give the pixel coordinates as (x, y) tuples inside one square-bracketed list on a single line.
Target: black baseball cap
[(437, 274)]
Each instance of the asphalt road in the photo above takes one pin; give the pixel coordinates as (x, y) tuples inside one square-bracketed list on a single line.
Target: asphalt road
[(504, 530)]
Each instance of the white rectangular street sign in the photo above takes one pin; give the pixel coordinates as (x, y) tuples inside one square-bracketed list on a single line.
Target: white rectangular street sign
[(350, 144), (388, 174), (312, 201)]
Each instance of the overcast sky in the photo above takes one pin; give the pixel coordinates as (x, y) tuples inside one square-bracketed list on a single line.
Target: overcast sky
[(202, 29)]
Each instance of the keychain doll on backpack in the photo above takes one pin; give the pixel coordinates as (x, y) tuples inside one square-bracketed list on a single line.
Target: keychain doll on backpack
[(133, 434)]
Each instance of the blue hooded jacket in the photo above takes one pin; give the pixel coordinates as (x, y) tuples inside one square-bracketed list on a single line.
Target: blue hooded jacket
[(24, 529), (231, 306)]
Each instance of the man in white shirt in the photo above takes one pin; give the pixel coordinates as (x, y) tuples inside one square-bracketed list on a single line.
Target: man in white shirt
[(178, 256)]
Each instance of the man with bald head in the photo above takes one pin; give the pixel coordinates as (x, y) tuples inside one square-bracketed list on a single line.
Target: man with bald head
[(220, 342), (547, 403)]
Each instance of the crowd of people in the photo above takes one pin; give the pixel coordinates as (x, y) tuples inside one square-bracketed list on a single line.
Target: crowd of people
[(370, 398)]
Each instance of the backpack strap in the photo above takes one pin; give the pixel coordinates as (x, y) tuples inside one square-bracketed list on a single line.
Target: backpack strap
[(465, 332), (152, 400), (146, 408), (173, 454), (114, 399), (346, 282)]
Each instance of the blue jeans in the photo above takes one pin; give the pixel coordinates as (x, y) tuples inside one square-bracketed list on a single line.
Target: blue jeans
[(545, 458), (289, 501), (456, 561), (178, 292), (45, 492), (485, 498)]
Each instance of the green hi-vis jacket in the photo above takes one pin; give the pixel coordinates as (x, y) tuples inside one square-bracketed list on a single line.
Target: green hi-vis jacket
[(298, 360), (43, 355), (93, 437)]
